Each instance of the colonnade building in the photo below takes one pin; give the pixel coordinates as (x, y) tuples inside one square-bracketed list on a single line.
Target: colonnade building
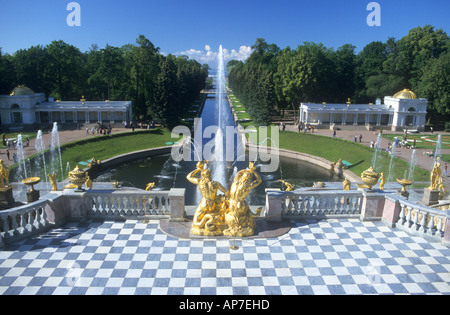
[(401, 111), (23, 107)]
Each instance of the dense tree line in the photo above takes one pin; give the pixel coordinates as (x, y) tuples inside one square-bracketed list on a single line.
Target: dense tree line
[(160, 87), (420, 61)]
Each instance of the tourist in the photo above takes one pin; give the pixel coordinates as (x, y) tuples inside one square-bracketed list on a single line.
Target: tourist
[(444, 173), (360, 138), (7, 154), (87, 130), (356, 138), (334, 133)]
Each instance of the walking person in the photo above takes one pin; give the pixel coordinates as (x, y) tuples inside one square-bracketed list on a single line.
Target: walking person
[(444, 173), (7, 154)]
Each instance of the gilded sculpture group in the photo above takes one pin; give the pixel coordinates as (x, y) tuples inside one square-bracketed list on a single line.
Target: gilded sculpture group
[(228, 214)]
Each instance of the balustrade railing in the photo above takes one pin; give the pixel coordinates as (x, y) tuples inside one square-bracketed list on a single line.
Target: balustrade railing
[(420, 220), (322, 203), (22, 222), (128, 204)]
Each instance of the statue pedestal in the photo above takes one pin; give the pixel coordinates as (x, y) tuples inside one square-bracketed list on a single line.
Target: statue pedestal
[(403, 193), (430, 197), (6, 197), (33, 196)]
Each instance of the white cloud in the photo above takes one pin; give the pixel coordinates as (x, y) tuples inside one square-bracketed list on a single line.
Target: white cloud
[(209, 56)]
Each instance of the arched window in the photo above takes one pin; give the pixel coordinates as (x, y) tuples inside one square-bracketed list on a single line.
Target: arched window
[(16, 115), (410, 119)]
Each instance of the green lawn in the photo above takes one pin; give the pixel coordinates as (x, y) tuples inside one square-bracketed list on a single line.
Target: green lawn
[(107, 147), (357, 154)]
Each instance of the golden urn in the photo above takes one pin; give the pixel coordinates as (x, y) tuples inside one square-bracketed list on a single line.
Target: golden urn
[(78, 178), (31, 182), (404, 182), (370, 178)]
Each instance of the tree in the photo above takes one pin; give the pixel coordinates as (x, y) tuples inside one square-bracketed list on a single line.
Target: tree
[(64, 70), (164, 106), (110, 72), (345, 70), (6, 74), (414, 51), (30, 68), (435, 86), (369, 63)]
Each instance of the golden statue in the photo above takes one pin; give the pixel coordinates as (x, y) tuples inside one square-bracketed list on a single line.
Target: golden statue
[(93, 162), (4, 176), (209, 216), (289, 187), (150, 186), (346, 184), (441, 188), (436, 175), (238, 217), (89, 184), (52, 178), (382, 181)]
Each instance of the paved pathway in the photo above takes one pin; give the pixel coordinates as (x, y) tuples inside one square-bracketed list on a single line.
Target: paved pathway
[(315, 257)]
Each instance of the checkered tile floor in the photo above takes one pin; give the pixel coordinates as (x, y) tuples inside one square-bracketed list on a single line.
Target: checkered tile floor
[(316, 257)]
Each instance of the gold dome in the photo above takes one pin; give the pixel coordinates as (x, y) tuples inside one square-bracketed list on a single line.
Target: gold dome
[(22, 90), (406, 94)]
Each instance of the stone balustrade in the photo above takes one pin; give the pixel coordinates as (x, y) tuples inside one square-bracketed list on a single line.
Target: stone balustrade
[(313, 203), (60, 207), (22, 222), (423, 221), (136, 204)]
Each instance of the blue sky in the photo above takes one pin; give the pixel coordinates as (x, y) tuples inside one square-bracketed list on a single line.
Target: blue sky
[(198, 27)]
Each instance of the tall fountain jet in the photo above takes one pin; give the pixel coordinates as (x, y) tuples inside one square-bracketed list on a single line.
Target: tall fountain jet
[(55, 151), (219, 167)]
